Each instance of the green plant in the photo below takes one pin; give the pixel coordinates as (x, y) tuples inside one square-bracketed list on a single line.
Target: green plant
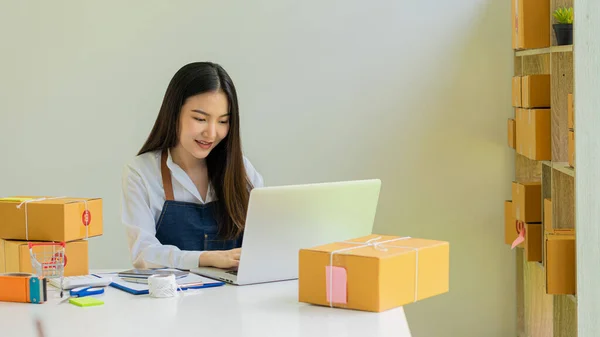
[(564, 15)]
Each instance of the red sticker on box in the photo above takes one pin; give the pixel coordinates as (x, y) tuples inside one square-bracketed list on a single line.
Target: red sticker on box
[(86, 217)]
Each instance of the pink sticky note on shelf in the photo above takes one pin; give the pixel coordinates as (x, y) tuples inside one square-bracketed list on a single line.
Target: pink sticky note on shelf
[(336, 283)]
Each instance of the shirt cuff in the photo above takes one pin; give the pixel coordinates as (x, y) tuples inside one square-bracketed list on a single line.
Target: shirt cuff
[(190, 260)]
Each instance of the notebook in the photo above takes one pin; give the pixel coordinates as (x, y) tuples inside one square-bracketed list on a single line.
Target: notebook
[(191, 281)]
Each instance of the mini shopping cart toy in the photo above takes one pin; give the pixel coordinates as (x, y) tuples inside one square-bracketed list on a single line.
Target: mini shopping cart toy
[(48, 260)]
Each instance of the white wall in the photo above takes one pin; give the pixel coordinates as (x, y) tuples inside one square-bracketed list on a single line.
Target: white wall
[(415, 93), (587, 156)]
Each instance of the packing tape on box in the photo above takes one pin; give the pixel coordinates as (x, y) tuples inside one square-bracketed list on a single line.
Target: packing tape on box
[(23, 288), (27, 201), (376, 245)]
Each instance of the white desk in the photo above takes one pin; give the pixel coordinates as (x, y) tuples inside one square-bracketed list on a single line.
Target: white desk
[(254, 310)]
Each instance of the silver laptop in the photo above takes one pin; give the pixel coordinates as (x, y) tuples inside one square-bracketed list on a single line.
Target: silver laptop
[(283, 219)]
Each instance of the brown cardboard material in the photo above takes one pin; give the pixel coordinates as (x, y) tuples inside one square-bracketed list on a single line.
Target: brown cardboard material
[(516, 91), (521, 130), (512, 133), (533, 242), (50, 218), (15, 257), (535, 91), (530, 24), (510, 228), (537, 136), (405, 271), (527, 201), (561, 267)]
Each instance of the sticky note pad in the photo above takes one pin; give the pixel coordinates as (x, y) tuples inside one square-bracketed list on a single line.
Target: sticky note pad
[(337, 280), (85, 301)]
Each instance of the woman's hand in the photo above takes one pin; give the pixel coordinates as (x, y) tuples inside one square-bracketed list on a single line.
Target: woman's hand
[(224, 259)]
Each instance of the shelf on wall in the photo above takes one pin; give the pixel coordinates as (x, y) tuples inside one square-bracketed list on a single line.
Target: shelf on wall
[(541, 51), (564, 168)]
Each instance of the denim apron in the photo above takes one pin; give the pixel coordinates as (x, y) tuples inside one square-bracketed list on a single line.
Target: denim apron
[(187, 225)]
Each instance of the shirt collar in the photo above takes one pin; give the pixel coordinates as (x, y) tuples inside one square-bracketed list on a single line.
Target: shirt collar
[(185, 180)]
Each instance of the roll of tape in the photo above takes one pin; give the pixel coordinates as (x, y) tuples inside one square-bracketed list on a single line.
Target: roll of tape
[(162, 286)]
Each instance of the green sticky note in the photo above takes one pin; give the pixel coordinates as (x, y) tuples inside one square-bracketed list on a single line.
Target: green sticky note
[(85, 301)]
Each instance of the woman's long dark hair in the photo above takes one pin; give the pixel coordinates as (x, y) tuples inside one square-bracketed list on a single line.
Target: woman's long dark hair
[(225, 164)]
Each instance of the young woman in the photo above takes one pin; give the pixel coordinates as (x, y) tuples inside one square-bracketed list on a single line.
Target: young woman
[(185, 194)]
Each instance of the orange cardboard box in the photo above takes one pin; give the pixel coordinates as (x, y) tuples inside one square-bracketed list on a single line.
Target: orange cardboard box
[(535, 91), (521, 130), (37, 218), (530, 24), (533, 133), (527, 201), (570, 112), (571, 148), (15, 256), (512, 134), (561, 265), (533, 242), (373, 273), (510, 226), (516, 91)]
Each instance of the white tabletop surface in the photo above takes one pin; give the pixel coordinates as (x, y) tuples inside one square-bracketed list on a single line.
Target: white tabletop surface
[(270, 309)]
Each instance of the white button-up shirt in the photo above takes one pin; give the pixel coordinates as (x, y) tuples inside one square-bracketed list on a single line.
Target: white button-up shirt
[(142, 202)]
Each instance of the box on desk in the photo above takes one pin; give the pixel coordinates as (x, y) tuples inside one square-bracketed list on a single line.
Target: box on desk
[(373, 273), (50, 218), (15, 256)]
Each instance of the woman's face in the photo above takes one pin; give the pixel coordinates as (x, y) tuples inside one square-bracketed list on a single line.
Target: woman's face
[(203, 123)]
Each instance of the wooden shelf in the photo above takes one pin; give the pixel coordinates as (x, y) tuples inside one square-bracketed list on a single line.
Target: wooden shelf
[(564, 168), (540, 313), (542, 51)]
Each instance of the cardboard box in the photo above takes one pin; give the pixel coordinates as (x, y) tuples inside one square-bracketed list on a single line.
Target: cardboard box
[(535, 91), (527, 201), (50, 218), (516, 91), (390, 272), (521, 129), (547, 214), (570, 112), (571, 148), (533, 242), (510, 226), (15, 256), (561, 265), (530, 24), (533, 133), (512, 134)]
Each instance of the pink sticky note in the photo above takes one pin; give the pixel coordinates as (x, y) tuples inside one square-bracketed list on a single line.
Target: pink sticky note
[(336, 289)]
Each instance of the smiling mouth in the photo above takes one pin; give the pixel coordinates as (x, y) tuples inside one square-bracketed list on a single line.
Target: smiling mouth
[(204, 144)]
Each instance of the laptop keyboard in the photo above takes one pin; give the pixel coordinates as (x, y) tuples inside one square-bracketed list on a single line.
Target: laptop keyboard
[(232, 272)]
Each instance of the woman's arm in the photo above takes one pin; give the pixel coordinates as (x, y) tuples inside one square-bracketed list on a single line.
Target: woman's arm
[(145, 249)]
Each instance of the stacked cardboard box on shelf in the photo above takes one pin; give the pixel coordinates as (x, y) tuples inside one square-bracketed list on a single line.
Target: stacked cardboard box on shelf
[(531, 99), (32, 229), (530, 24), (523, 217)]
